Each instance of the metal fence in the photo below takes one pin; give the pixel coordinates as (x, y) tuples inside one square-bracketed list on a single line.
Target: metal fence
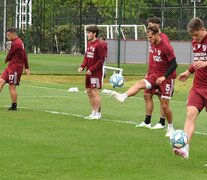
[(174, 20), (58, 29), (7, 19)]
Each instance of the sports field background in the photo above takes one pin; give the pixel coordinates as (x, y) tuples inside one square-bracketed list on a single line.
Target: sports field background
[(48, 138)]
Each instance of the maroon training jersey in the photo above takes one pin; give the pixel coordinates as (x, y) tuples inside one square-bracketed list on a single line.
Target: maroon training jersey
[(151, 61), (94, 57), (17, 57), (164, 37), (162, 55), (200, 54)]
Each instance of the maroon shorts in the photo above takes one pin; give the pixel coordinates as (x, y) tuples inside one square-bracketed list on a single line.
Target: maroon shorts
[(12, 76), (197, 98), (166, 88), (94, 81), (152, 91)]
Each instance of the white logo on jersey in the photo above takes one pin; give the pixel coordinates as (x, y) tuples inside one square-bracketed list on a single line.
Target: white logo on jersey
[(199, 45), (150, 49), (159, 52), (90, 52), (204, 47), (157, 58)]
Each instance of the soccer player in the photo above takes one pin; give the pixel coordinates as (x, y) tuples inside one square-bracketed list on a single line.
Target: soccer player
[(163, 75), (93, 62), (17, 60), (197, 98), (148, 93)]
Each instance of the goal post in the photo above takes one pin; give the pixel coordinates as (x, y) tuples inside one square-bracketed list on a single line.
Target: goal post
[(119, 70), (134, 44), (110, 30)]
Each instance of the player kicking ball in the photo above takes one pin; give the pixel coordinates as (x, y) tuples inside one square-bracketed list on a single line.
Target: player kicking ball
[(17, 61), (162, 78), (197, 98)]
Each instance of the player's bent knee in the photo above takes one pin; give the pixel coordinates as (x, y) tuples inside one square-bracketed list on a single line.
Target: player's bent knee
[(147, 96), (192, 113)]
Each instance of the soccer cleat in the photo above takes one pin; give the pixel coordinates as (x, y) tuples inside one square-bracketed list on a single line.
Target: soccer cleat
[(97, 115), (119, 97), (183, 152), (169, 132), (158, 126), (143, 124), (88, 117), (12, 108)]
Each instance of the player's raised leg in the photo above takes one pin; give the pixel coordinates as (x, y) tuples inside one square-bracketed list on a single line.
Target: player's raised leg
[(131, 91)]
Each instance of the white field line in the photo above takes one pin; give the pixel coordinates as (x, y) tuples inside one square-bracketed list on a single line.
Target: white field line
[(76, 115), (103, 119), (42, 87), (43, 96)]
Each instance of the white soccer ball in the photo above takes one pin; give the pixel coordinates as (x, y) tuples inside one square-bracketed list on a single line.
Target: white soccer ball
[(178, 139), (116, 80)]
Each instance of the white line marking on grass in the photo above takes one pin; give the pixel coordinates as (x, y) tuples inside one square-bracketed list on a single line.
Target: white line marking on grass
[(118, 121), (77, 115), (42, 87), (102, 119), (108, 120), (43, 96), (64, 113), (140, 98), (201, 133)]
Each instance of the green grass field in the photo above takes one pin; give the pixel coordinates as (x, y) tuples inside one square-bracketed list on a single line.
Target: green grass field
[(48, 138)]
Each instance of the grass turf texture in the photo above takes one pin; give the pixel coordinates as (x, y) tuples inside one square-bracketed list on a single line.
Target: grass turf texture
[(36, 144)]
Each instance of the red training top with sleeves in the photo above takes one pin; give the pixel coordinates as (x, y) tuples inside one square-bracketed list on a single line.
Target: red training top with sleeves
[(162, 55), (94, 57), (151, 61), (199, 54), (17, 57)]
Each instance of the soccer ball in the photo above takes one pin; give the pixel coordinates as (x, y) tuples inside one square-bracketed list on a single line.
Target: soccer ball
[(116, 80), (178, 139)]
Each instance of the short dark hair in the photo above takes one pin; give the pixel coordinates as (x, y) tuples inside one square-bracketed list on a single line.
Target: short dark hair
[(153, 29), (93, 29), (12, 30), (195, 24), (154, 19)]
